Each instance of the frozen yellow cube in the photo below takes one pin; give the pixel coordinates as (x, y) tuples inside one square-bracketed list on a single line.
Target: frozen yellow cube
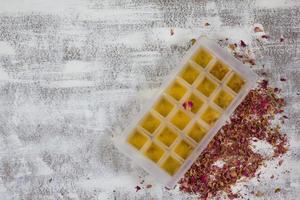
[(189, 74), (219, 70), (223, 99), (210, 115), (176, 90), (167, 136), (197, 132), (236, 83), (154, 152), (183, 149), (137, 139), (171, 165), (202, 58), (180, 119), (150, 123), (207, 87), (164, 107)]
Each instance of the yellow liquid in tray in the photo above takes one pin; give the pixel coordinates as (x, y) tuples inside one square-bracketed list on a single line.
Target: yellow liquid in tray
[(137, 139), (223, 99), (197, 103), (183, 149), (206, 87), (210, 115), (202, 58), (171, 165), (167, 136), (154, 152), (180, 119), (219, 70), (164, 107), (236, 83), (189, 74), (150, 123), (197, 133), (176, 91)]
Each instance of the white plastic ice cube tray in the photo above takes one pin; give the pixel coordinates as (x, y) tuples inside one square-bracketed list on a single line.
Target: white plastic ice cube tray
[(167, 137)]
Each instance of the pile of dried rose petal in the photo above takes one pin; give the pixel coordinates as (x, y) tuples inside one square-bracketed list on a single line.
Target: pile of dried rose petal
[(251, 121)]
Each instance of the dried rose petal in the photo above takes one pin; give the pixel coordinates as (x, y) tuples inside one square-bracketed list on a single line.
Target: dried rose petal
[(282, 79), (172, 31), (233, 196), (193, 41), (264, 84), (265, 36), (232, 47), (258, 29), (250, 121), (206, 24), (243, 44), (252, 61), (277, 190), (259, 194), (137, 188), (188, 105), (203, 179)]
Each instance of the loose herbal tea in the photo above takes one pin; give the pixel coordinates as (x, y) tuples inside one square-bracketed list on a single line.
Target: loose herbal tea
[(251, 121)]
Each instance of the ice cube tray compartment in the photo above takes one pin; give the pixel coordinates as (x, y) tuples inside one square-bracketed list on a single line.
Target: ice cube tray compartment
[(189, 109)]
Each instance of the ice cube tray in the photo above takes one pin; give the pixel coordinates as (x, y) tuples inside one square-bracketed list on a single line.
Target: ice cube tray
[(168, 136)]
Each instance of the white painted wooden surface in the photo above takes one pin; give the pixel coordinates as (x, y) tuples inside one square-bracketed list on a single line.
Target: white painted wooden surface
[(74, 72)]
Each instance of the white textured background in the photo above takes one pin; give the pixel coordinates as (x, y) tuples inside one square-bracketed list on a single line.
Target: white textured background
[(74, 72)]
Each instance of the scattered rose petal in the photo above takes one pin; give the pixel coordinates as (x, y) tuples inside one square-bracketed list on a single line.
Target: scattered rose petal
[(172, 31), (276, 89), (280, 162), (258, 29), (203, 179), (259, 194), (233, 196), (264, 84), (148, 186), (252, 61), (188, 105), (232, 46), (277, 190), (265, 36), (206, 24), (241, 51), (193, 41), (282, 39), (137, 188), (243, 44), (282, 79)]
